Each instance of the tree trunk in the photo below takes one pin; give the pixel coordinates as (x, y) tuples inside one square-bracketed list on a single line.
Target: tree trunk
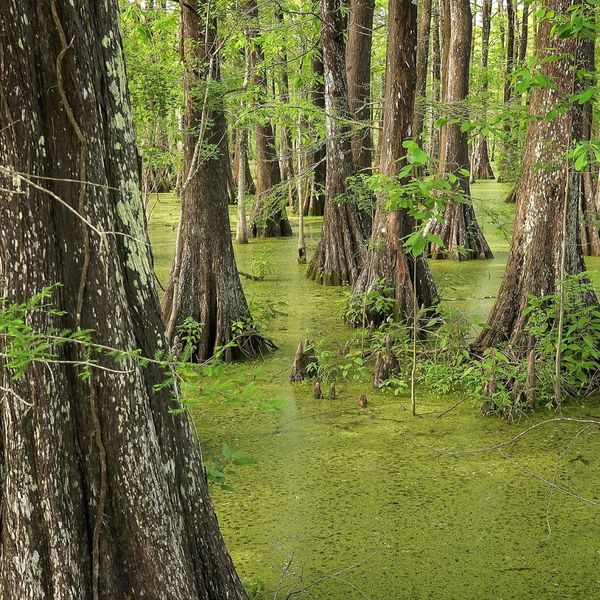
[(250, 187), (459, 231), (269, 217), (316, 206), (423, 33), (481, 168), (358, 69), (241, 230), (204, 283), (386, 258), (508, 157), (589, 217), (524, 34), (434, 139), (546, 218), (286, 154), (102, 489), (340, 253)]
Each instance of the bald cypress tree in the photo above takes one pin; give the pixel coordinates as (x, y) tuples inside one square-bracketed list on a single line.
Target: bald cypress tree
[(386, 259), (102, 489), (204, 283), (340, 253), (545, 244), (459, 230)]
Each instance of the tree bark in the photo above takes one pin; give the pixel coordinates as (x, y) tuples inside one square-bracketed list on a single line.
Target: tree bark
[(546, 218), (507, 159), (250, 186), (459, 231), (340, 253), (358, 70), (423, 35), (102, 492), (589, 217), (269, 217), (482, 168), (316, 206), (434, 139), (386, 258), (204, 283), (286, 149)]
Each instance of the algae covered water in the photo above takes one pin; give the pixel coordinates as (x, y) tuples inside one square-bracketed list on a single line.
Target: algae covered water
[(347, 503)]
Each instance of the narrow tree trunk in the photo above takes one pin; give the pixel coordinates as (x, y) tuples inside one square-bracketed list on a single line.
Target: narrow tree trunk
[(507, 162), (102, 489), (250, 187), (459, 231), (204, 283), (241, 231), (589, 217), (546, 219), (481, 168), (340, 253), (386, 258), (286, 158), (522, 57), (316, 206), (434, 139), (358, 69), (423, 34), (269, 217)]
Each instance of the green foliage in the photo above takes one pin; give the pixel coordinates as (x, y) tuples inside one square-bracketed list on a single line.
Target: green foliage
[(221, 469), (262, 265)]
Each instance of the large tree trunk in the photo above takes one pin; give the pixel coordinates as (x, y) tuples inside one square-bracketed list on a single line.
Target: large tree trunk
[(204, 283), (481, 167), (358, 69), (459, 231), (386, 259), (316, 205), (340, 253), (423, 31), (102, 489), (269, 217), (546, 219)]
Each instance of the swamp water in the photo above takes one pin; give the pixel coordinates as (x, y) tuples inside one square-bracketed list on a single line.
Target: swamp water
[(345, 503)]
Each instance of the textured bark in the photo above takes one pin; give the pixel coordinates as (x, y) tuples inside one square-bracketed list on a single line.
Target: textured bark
[(386, 258), (103, 492), (358, 70), (423, 33), (204, 283), (481, 167), (340, 253), (546, 217), (459, 227), (269, 217), (316, 206)]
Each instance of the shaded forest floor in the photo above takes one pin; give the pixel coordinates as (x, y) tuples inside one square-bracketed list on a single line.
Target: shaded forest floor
[(362, 501)]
